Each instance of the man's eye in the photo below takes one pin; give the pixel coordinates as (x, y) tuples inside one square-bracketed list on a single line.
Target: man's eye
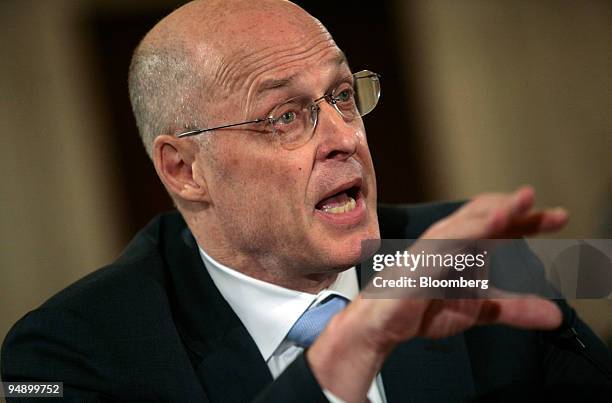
[(345, 95), (287, 117)]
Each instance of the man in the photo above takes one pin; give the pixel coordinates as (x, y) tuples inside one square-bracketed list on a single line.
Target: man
[(248, 112)]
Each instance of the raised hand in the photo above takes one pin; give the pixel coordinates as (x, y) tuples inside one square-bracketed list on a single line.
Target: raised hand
[(352, 349)]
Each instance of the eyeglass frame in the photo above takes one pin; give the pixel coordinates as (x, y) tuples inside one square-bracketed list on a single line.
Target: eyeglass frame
[(329, 97)]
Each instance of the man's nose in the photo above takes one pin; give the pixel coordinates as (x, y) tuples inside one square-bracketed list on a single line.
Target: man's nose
[(337, 137)]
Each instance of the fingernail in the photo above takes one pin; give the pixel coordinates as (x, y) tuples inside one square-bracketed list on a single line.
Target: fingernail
[(560, 211)]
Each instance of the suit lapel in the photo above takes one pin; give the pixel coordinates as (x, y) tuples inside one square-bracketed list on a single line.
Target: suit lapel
[(423, 370), (414, 371), (233, 370), (225, 357), (429, 371), (227, 360)]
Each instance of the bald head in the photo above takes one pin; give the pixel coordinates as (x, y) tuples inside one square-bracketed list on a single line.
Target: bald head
[(250, 200), (204, 52)]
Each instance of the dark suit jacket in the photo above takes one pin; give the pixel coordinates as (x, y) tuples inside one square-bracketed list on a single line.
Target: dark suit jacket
[(153, 326)]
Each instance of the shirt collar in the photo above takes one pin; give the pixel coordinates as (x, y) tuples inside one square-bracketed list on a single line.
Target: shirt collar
[(268, 311)]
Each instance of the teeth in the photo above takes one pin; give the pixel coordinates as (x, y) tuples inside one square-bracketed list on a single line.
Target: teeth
[(344, 208)]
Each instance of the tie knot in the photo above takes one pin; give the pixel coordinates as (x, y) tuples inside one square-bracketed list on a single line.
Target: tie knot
[(312, 322)]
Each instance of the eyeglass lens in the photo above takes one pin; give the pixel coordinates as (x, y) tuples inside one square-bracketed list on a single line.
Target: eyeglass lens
[(294, 121)]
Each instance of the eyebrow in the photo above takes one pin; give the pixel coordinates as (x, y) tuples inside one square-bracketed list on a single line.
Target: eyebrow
[(276, 83)]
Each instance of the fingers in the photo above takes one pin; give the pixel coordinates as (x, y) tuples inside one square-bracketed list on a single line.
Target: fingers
[(445, 317), (526, 313), (499, 216), (506, 209), (521, 200), (536, 222), (520, 219)]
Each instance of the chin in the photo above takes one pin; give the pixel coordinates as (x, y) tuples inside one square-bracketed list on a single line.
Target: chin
[(342, 254)]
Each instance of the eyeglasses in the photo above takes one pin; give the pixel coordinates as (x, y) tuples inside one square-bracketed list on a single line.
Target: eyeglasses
[(294, 121)]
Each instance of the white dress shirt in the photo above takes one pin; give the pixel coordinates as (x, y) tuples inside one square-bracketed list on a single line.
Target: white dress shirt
[(268, 312)]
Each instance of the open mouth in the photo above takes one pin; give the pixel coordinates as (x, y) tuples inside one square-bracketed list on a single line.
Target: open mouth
[(342, 201)]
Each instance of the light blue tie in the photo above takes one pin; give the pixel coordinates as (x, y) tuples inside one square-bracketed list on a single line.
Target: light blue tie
[(313, 321)]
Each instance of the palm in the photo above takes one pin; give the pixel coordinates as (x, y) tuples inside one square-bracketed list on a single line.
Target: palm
[(489, 216)]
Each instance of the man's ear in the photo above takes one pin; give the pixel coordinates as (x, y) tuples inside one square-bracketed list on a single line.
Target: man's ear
[(174, 160)]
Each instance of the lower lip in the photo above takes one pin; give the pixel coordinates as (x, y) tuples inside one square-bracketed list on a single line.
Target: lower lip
[(348, 219)]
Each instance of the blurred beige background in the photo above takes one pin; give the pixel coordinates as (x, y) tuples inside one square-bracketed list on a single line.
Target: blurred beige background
[(520, 92), (506, 93)]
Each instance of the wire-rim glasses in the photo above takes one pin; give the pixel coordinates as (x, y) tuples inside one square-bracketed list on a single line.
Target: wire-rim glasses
[(293, 122)]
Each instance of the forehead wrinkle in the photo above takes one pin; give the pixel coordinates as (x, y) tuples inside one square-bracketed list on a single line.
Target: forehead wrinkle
[(226, 72), (253, 89), (274, 83), (257, 89), (280, 59), (238, 72), (249, 58)]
